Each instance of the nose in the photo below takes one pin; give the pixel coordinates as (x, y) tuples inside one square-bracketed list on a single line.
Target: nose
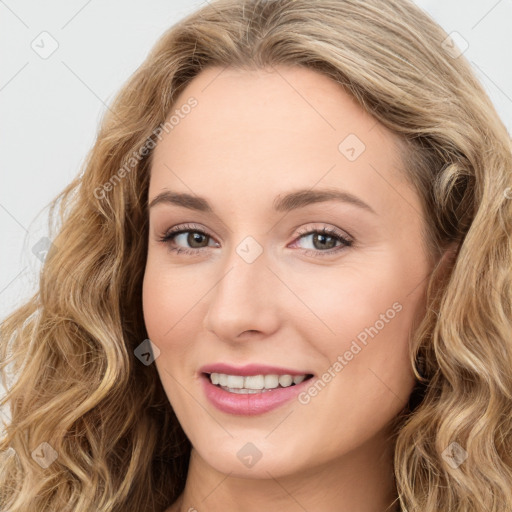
[(246, 301)]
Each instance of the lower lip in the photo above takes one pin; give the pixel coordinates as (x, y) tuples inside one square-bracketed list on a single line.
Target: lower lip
[(250, 404)]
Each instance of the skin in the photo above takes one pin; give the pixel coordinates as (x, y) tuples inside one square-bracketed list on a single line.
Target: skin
[(253, 136)]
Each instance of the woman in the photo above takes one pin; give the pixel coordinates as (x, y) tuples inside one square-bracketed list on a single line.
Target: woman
[(282, 282)]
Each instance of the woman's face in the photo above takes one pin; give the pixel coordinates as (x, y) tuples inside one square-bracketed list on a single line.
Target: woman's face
[(261, 162)]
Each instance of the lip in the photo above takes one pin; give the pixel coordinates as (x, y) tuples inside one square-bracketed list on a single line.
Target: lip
[(250, 369), (250, 404)]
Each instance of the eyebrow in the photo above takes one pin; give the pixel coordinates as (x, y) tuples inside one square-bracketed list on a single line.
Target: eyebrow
[(288, 202)]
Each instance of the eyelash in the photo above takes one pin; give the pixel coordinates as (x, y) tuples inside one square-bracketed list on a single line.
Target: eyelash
[(169, 236)]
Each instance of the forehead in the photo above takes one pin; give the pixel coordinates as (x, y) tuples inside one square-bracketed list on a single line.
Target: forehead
[(256, 133)]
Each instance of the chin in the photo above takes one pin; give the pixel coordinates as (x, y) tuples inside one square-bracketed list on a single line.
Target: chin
[(242, 458)]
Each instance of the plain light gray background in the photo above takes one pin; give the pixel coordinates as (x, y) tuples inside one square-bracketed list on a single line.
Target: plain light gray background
[(50, 106)]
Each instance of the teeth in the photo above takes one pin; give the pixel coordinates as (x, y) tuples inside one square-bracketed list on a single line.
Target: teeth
[(254, 383), (285, 380), (271, 381), (234, 381)]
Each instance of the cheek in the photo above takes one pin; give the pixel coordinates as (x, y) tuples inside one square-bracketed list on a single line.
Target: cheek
[(168, 296), (156, 303), (355, 302), (173, 308), (367, 378), (361, 321), (372, 314), (165, 307)]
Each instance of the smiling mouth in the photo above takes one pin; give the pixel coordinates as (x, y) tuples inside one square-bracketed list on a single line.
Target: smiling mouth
[(251, 384)]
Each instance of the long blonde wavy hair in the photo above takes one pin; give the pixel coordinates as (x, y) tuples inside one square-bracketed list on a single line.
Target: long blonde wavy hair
[(67, 354)]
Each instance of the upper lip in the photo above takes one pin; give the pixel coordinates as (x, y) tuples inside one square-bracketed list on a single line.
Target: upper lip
[(250, 369)]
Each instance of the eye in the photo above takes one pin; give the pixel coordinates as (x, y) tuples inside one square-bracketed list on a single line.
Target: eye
[(324, 240), (195, 237)]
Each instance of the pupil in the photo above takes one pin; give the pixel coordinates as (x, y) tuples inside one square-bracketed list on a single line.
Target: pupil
[(323, 237), (194, 237)]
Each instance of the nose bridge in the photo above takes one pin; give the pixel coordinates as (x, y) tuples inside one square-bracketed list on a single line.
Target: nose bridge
[(243, 299)]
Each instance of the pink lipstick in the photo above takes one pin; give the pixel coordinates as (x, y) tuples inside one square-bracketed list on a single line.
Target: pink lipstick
[(251, 389)]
